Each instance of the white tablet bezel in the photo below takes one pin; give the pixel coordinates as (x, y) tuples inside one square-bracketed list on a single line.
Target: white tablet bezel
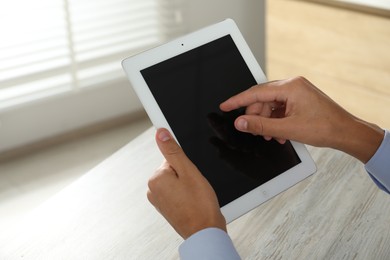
[(133, 66)]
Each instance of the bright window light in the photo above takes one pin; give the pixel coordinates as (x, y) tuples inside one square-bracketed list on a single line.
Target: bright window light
[(51, 47)]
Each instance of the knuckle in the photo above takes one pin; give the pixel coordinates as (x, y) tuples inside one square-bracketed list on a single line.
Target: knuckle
[(173, 150), (153, 183), (299, 79), (163, 167), (256, 126), (149, 195), (159, 178)]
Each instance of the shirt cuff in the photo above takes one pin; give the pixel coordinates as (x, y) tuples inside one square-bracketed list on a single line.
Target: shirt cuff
[(378, 167), (209, 243)]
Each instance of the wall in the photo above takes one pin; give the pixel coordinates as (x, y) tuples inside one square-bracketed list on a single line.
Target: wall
[(44, 119), (345, 53)]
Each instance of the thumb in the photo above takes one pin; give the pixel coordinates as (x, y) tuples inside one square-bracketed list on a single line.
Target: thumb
[(258, 125), (172, 152)]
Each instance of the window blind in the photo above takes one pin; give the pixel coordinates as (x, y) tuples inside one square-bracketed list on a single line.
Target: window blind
[(51, 47)]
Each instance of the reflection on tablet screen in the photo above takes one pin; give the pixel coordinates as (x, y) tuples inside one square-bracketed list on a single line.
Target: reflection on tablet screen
[(188, 89)]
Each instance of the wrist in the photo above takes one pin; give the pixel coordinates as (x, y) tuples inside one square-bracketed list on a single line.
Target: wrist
[(359, 139), (197, 224)]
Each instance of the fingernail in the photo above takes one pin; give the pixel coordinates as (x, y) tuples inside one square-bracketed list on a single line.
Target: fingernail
[(164, 136), (242, 124)]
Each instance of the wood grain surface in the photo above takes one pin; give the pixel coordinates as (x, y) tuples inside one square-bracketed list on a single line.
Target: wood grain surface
[(338, 213)]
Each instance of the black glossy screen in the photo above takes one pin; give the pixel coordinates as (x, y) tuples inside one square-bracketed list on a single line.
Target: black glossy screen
[(189, 88)]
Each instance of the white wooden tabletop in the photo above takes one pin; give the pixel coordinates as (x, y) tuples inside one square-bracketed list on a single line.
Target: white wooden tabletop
[(338, 213)]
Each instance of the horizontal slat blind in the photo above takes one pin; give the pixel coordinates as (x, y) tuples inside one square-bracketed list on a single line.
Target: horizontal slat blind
[(49, 47), (34, 53)]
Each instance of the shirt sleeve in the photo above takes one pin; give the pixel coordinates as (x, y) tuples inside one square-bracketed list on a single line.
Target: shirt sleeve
[(209, 243), (378, 167)]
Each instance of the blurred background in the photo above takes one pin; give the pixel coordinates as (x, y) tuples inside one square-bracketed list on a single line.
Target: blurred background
[(65, 104)]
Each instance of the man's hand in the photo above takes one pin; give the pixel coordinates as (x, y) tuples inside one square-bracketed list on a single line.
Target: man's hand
[(295, 109), (180, 192)]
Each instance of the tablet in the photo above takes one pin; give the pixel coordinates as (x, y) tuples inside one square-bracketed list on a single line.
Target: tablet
[(182, 83)]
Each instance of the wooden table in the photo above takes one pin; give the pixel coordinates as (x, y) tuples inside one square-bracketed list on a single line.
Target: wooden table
[(338, 213)]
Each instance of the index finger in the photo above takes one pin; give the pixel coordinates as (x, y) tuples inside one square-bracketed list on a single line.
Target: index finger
[(262, 93)]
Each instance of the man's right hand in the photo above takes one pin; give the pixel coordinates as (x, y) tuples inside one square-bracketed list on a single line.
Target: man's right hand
[(295, 109)]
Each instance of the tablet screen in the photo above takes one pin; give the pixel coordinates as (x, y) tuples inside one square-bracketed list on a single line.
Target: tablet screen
[(188, 89)]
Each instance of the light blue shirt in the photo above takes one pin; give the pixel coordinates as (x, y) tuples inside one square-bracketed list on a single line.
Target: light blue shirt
[(378, 167), (208, 244), (214, 243)]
